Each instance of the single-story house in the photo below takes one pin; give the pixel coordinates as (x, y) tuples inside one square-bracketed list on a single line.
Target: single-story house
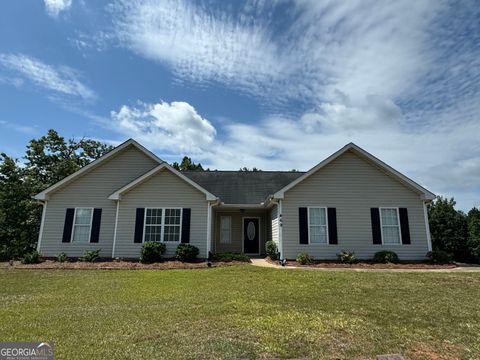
[(350, 201)]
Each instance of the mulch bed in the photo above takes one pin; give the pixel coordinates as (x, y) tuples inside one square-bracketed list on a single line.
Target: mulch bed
[(368, 265), (116, 265)]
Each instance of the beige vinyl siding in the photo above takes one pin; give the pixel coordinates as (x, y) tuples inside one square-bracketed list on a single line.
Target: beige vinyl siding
[(352, 185), (162, 190), (237, 234), (274, 224), (92, 190)]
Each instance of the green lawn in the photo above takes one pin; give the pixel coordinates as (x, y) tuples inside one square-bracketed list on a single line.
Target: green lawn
[(242, 312)]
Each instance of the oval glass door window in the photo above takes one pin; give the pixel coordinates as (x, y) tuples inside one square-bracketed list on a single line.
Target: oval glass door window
[(251, 230)]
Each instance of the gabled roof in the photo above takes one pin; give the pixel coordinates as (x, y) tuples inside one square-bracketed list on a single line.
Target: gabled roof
[(242, 187), (426, 195), (130, 142), (117, 195)]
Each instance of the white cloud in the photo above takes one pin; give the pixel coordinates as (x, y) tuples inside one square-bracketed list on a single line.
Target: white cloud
[(173, 127), (55, 7), (199, 45), (61, 80), (24, 129)]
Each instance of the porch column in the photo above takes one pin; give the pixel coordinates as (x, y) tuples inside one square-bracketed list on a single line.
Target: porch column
[(209, 227), (280, 229)]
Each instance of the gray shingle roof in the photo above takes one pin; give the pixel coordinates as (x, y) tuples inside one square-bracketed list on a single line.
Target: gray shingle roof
[(242, 187)]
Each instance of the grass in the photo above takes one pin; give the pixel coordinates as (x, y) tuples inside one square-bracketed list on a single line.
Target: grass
[(242, 312)]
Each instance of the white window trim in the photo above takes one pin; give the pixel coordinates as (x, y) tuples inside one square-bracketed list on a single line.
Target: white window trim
[(230, 239), (73, 226), (326, 225), (399, 225), (163, 223)]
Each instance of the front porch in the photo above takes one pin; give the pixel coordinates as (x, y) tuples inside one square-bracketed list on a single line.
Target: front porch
[(240, 229)]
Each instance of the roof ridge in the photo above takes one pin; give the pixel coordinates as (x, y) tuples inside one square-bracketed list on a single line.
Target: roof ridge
[(241, 171)]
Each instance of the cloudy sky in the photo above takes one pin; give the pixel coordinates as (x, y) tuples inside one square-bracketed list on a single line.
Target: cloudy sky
[(271, 84)]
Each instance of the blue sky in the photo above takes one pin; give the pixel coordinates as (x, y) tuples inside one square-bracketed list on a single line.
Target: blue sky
[(271, 84)]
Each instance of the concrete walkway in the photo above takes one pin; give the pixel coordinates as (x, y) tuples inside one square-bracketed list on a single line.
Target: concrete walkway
[(265, 263)]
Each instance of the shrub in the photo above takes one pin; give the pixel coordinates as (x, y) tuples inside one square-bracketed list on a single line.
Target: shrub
[(386, 257), (32, 257), (62, 257), (347, 257), (227, 257), (91, 255), (186, 252), (439, 257), (304, 259), (271, 249), (152, 252)]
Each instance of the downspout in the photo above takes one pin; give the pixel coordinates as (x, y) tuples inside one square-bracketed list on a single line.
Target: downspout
[(40, 234), (427, 226), (115, 231)]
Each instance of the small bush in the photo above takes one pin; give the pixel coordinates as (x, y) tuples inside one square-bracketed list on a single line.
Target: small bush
[(304, 259), (152, 252), (32, 257), (227, 257), (62, 257), (271, 249), (91, 255), (439, 257), (386, 257), (347, 257), (186, 252)]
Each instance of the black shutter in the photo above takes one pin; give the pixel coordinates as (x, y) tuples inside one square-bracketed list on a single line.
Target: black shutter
[(303, 225), (376, 231), (68, 225), (186, 214), (332, 226), (97, 218), (139, 225), (404, 228)]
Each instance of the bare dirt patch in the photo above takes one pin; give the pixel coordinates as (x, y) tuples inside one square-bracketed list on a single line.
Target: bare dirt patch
[(115, 265)]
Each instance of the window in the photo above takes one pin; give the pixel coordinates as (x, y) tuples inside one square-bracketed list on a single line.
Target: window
[(317, 225), (172, 225), (162, 224), (82, 225), (153, 224), (390, 226), (225, 229)]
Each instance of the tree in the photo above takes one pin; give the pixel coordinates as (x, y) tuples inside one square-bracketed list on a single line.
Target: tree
[(245, 169), (48, 159), (19, 214), (187, 164), (473, 219), (448, 228)]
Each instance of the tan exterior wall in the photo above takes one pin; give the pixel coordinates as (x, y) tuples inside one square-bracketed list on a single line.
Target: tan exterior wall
[(163, 189), (353, 185), (92, 190)]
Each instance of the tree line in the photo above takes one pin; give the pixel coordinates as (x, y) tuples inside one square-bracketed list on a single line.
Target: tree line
[(51, 158)]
